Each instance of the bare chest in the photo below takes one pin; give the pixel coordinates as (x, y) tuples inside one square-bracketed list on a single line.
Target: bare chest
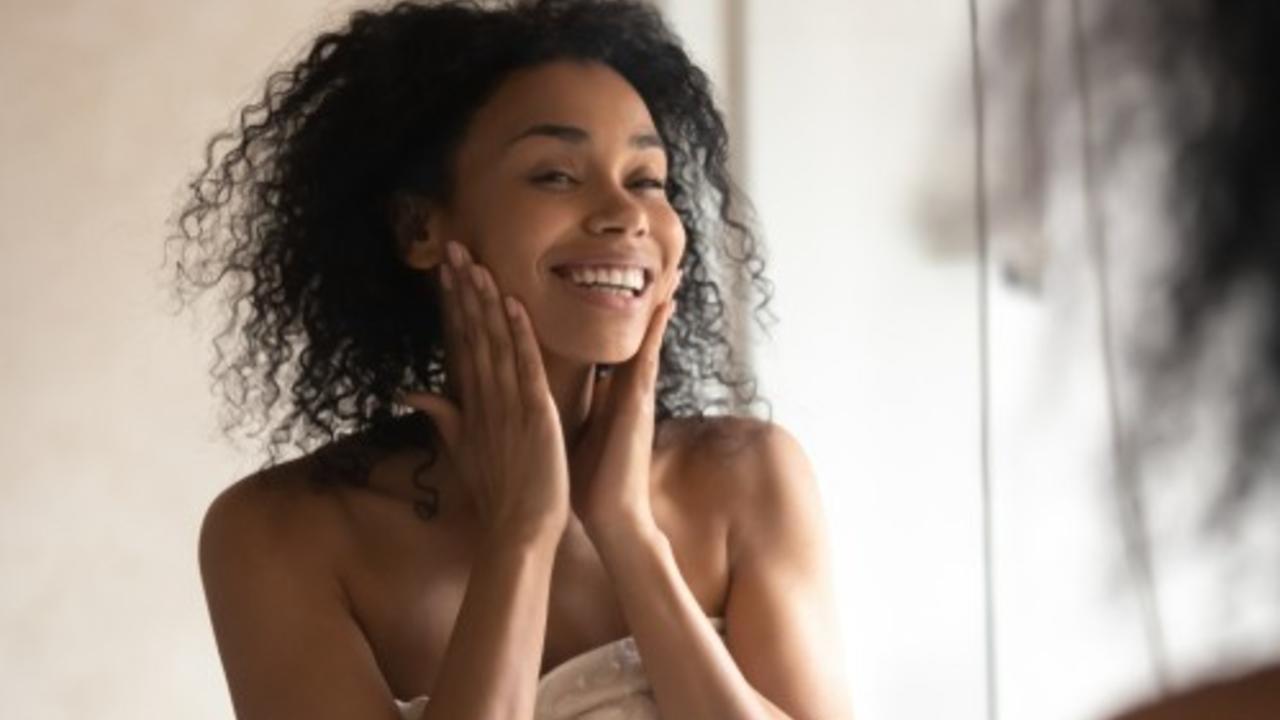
[(407, 578)]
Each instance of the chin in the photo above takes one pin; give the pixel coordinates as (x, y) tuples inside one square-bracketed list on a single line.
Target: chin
[(600, 352), (607, 356)]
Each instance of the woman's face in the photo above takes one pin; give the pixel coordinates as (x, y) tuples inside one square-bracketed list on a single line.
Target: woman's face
[(562, 168)]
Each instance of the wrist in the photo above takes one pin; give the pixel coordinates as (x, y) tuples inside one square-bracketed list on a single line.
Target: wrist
[(619, 529), (537, 537)]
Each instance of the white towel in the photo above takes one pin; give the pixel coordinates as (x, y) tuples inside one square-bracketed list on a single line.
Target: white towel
[(604, 683)]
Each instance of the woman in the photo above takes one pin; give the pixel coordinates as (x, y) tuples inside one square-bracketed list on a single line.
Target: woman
[(484, 215)]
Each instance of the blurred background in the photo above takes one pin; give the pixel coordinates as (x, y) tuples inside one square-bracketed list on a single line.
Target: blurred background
[(854, 137)]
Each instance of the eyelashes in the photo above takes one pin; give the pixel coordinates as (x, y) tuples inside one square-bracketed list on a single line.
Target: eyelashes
[(653, 183), (562, 179), (555, 178)]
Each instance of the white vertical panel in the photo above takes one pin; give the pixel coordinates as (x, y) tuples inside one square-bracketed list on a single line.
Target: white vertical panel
[(873, 362)]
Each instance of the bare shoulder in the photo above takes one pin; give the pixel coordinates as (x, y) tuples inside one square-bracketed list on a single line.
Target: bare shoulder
[(781, 605), (738, 449), (750, 464), (760, 473), (714, 440), (269, 513), (290, 646), (273, 532)]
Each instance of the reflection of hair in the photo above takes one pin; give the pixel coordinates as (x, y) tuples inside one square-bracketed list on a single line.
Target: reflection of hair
[(1213, 70), (293, 209)]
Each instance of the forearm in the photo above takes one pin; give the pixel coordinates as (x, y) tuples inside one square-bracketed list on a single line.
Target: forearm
[(490, 668), (691, 671)]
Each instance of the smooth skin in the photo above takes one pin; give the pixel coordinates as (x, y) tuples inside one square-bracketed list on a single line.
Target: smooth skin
[(558, 530)]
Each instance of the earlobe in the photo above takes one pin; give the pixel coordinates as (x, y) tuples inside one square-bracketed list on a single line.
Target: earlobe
[(423, 253), (417, 237)]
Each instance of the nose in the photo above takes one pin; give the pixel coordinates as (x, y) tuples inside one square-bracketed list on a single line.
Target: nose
[(617, 213)]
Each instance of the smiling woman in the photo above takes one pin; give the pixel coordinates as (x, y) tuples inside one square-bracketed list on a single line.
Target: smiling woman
[(567, 149), (496, 216)]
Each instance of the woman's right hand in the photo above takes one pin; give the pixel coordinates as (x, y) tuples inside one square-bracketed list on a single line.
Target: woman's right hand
[(503, 435)]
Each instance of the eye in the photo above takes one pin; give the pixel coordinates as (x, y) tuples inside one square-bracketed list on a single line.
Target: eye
[(555, 178), (650, 183)]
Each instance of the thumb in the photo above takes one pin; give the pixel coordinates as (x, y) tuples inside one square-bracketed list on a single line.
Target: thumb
[(443, 413)]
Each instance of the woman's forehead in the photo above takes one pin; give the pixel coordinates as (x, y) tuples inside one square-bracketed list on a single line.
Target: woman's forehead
[(574, 96)]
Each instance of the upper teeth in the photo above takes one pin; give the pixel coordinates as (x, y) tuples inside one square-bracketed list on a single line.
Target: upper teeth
[(630, 277)]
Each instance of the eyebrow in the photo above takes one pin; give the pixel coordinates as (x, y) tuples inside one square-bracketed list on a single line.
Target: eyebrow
[(578, 136)]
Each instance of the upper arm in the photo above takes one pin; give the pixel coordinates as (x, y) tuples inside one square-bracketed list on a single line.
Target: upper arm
[(782, 625), (289, 645)]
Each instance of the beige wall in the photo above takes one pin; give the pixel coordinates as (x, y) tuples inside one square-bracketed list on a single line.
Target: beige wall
[(108, 426)]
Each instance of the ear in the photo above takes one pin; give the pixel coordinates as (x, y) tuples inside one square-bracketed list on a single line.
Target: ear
[(418, 230)]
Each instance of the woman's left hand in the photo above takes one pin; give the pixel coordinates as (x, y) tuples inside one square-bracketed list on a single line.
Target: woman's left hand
[(609, 464)]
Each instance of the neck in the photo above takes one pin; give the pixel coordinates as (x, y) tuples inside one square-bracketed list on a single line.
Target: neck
[(571, 384)]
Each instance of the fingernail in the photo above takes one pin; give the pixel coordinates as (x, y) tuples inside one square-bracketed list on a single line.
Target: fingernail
[(477, 276), (454, 252), (446, 277)]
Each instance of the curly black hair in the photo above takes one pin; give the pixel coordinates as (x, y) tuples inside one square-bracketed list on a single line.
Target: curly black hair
[(1208, 86), (293, 211), (1217, 66)]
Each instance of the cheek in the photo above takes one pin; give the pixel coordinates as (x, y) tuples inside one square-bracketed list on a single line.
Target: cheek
[(668, 229), (524, 217), (504, 224), (510, 245)]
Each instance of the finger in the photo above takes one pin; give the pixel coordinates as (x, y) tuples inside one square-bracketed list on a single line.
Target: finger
[(443, 414), (644, 372), (485, 408), (675, 285), (457, 347), (451, 321), (502, 392), (530, 373)]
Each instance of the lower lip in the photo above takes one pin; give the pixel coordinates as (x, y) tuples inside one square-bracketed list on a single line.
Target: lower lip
[(603, 298)]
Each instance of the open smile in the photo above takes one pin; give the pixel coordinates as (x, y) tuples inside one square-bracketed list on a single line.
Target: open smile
[(618, 288)]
